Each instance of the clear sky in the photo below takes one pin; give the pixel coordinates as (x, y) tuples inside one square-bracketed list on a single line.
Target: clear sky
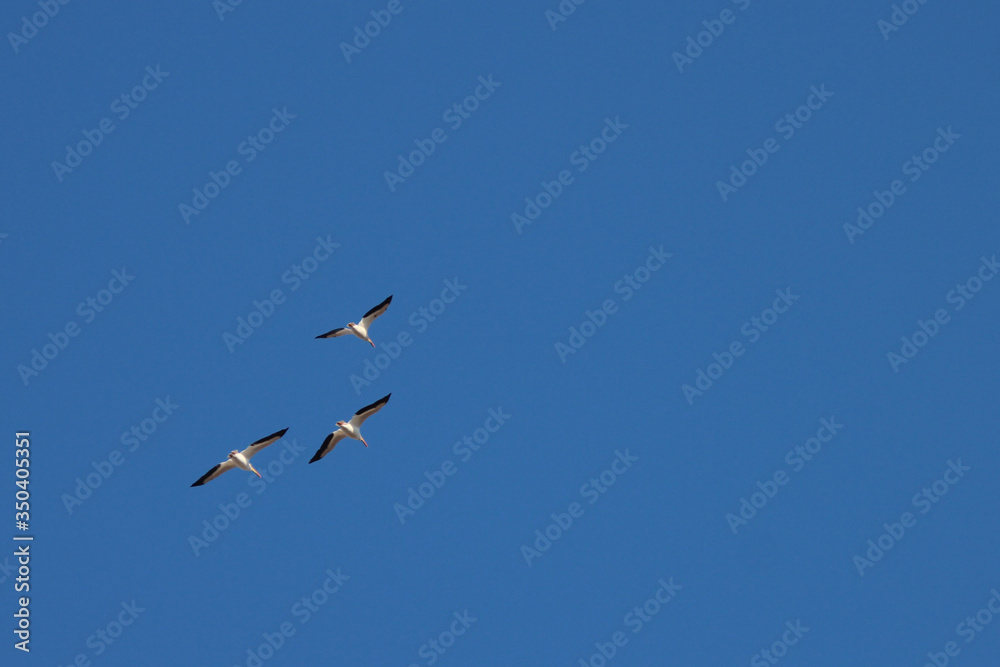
[(661, 393)]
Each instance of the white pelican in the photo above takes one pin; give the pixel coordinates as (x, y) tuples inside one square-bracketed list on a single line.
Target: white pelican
[(351, 429), (360, 330), (239, 459)]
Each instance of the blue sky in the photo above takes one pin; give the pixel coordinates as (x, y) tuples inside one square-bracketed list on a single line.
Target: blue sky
[(686, 366)]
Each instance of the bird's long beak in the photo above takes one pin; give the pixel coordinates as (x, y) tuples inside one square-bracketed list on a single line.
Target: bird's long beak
[(365, 443), (370, 341), (255, 471)]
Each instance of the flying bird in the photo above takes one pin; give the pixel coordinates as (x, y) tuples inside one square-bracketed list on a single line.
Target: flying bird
[(351, 429), (239, 459), (360, 330)]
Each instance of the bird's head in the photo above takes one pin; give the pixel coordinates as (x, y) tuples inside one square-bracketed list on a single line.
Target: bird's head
[(341, 423)]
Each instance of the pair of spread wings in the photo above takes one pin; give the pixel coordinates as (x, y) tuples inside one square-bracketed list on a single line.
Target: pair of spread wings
[(356, 421), (248, 452), (365, 323)]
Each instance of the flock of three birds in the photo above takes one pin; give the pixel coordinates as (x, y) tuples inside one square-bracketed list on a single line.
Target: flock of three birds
[(349, 429)]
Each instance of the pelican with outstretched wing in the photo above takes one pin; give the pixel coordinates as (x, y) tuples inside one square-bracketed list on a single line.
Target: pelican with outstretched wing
[(351, 429), (360, 330), (238, 459)]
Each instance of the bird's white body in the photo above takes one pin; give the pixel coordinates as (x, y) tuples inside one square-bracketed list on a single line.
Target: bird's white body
[(361, 331), (350, 430), (242, 462)]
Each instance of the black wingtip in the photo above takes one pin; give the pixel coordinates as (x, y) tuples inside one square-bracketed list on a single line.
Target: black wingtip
[(377, 404), (382, 306), (329, 334), (277, 435)]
